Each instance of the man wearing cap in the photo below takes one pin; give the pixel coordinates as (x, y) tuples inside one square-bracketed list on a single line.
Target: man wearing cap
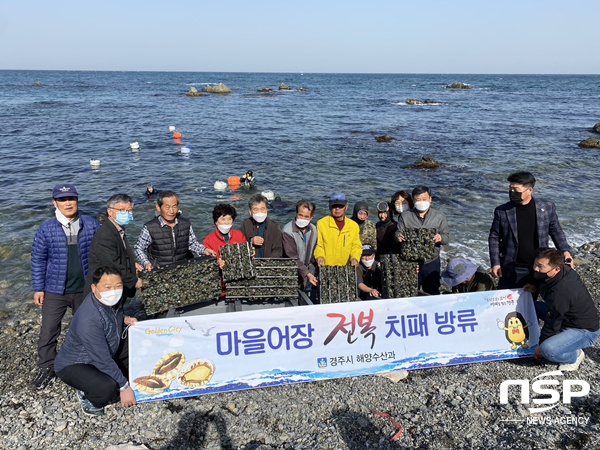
[(462, 276), (338, 241), (386, 229), (368, 275), (59, 265)]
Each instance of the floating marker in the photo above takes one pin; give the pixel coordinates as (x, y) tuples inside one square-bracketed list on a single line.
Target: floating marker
[(268, 195), (185, 150), (172, 129), (134, 146), (177, 134), (220, 186), (95, 163)]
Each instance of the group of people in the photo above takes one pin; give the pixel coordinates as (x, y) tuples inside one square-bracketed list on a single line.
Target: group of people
[(91, 268)]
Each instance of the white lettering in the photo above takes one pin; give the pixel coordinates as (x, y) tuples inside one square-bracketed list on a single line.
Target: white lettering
[(568, 394)]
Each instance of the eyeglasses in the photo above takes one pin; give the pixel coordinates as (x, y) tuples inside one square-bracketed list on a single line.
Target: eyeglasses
[(130, 210)]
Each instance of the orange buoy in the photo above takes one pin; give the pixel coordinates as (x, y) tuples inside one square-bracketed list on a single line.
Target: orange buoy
[(177, 134), (233, 181)]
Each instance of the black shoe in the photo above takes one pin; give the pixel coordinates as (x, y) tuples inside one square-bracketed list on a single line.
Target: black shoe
[(44, 378)]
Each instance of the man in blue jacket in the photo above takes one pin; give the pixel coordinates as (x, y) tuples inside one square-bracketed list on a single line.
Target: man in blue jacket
[(59, 264), (94, 358), (520, 227)]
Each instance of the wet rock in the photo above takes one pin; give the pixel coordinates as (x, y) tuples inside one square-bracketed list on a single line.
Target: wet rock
[(590, 143), (4, 315), (193, 92), (596, 128), (37, 83), (217, 89), (424, 163), (385, 138), (284, 87), (265, 89), (414, 101), (300, 89), (458, 86)]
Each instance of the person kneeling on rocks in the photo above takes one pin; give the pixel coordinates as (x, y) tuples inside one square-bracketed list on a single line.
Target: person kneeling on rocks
[(94, 359), (570, 317)]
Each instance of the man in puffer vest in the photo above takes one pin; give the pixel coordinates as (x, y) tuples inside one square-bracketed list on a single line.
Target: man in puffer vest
[(167, 239), (59, 265)]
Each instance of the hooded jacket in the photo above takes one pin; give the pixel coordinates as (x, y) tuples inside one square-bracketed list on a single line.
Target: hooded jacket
[(367, 233), (386, 240)]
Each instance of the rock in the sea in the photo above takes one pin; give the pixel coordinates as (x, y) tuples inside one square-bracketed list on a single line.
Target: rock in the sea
[(414, 101), (218, 89), (385, 138), (590, 143), (4, 315), (265, 89), (193, 92), (37, 83), (300, 89), (458, 86), (284, 87), (596, 128), (424, 163)]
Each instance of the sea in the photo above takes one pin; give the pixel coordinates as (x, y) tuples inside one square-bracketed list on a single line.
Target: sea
[(299, 145)]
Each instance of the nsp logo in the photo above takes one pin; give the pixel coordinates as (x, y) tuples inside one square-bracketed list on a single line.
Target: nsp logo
[(538, 388)]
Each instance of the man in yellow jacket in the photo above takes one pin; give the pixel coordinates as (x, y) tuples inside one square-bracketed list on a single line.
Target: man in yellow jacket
[(338, 241)]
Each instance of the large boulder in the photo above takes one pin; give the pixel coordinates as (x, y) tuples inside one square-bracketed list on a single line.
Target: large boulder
[(217, 89), (37, 83), (385, 138), (284, 87), (193, 92), (590, 143), (414, 101), (458, 86), (424, 163), (597, 128), (265, 89)]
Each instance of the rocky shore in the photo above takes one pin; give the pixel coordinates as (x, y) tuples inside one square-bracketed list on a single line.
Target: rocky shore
[(445, 407)]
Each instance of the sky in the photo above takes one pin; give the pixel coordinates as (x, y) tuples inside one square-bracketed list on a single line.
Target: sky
[(330, 36)]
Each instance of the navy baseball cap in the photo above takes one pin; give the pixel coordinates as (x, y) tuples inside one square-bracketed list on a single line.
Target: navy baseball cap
[(368, 249), (338, 198), (64, 190), (457, 271)]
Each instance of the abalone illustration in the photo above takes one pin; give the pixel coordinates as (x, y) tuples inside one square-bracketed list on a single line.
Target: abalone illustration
[(151, 384), (169, 365), (196, 372)]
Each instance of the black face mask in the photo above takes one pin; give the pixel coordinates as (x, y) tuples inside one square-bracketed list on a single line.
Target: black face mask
[(516, 197), (541, 276)]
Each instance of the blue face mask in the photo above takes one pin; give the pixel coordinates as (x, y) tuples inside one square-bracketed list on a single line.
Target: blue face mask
[(123, 217)]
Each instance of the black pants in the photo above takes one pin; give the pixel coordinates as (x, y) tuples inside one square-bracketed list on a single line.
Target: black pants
[(429, 277), (517, 277), (53, 310), (98, 387)]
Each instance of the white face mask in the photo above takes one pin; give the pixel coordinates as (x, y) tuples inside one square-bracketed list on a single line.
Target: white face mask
[(401, 208), (224, 228), (302, 223), (422, 206), (368, 263), (110, 298), (259, 217)]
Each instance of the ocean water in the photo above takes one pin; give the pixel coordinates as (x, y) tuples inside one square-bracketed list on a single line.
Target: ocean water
[(299, 145)]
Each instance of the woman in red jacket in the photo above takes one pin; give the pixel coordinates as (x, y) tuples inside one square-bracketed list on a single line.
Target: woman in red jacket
[(223, 216)]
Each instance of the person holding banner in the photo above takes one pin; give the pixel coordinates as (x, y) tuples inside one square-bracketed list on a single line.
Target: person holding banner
[(338, 240), (94, 359), (570, 317)]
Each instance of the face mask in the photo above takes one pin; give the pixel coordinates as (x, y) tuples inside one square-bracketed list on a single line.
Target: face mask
[(368, 263), (516, 197), (224, 228), (110, 298), (302, 223), (259, 217), (401, 208), (123, 217), (422, 206), (541, 276)]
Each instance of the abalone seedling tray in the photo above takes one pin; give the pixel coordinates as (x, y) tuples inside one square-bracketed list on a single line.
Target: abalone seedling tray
[(337, 284), (275, 278), (180, 284), (238, 263), (418, 245), (399, 278)]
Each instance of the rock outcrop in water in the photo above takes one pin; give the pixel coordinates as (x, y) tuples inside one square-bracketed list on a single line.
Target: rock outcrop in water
[(385, 138), (590, 143), (37, 83), (193, 92), (284, 87), (217, 89), (414, 101), (596, 128), (424, 163), (300, 89), (265, 89), (458, 86)]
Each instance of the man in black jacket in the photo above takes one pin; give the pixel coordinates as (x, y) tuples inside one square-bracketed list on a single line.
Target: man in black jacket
[(109, 246), (571, 319), (263, 233)]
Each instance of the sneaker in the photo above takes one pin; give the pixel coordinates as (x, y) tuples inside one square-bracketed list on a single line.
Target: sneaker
[(87, 407), (575, 365), (44, 378)]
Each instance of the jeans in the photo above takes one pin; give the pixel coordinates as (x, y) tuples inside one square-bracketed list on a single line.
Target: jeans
[(429, 277), (562, 347)]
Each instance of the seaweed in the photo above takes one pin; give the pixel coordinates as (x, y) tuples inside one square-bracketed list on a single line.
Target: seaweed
[(274, 277), (399, 278), (238, 264), (337, 284), (418, 244)]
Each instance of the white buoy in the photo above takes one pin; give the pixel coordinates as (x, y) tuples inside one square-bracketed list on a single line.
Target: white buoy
[(172, 129), (134, 146), (95, 163), (268, 195), (185, 150), (220, 186)]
